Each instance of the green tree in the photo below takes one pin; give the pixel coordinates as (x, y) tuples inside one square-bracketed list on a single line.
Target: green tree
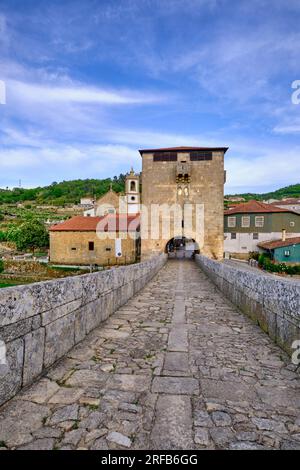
[(31, 234)]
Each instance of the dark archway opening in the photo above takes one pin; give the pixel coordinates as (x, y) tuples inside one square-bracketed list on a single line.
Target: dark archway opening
[(182, 247)]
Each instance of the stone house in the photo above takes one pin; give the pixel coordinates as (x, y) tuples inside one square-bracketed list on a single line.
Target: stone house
[(107, 240), (247, 225)]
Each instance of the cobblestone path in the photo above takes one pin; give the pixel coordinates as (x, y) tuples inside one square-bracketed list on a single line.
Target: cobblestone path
[(177, 367)]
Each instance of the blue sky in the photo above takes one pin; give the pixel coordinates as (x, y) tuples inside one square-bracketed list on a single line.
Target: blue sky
[(89, 83)]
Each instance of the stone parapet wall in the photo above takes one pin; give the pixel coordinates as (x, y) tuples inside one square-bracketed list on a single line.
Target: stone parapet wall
[(41, 322), (271, 302)]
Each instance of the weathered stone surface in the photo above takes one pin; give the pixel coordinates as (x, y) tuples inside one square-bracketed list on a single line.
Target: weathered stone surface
[(202, 437), (173, 424), (248, 396), (88, 377), (19, 419), (138, 383), (120, 439), (221, 419), (33, 355), (11, 373), (65, 413), (92, 421), (273, 302), (178, 385), (39, 444), (40, 392), (176, 361), (66, 396), (60, 337), (178, 340), (68, 309)]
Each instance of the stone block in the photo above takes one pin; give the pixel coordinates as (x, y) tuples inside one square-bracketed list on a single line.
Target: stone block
[(11, 373), (60, 311), (15, 330), (60, 337), (33, 355)]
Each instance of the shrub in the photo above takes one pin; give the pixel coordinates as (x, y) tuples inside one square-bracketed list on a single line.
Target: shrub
[(1, 266), (3, 236)]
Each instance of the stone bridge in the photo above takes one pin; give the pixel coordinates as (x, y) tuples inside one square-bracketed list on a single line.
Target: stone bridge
[(177, 366)]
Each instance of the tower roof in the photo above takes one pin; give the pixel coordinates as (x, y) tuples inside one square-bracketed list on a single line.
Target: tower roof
[(184, 149)]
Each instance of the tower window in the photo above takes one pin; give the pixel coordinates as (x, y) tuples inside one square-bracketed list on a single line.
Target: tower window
[(132, 198), (132, 186), (200, 156), (165, 157)]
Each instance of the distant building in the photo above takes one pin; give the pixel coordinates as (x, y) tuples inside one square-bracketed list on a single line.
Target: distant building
[(251, 223), (111, 239), (291, 204), (235, 199), (86, 201), (284, 250), (115, 203)]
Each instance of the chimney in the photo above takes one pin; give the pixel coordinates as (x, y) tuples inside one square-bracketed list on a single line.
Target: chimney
[(283, 234)]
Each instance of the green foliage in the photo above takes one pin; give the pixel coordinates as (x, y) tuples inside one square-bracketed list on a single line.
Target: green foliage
[(30, 234), (3, 236), (66, 192), (267, 264), (287, 192), (1, 216), (254, 255), (1, 266)]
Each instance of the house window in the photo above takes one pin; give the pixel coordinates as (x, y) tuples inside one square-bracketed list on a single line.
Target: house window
[(233, 236), (259, 221), (91, 246), (287, 253), (107, 249), (246, 221), (255, 236), (231, 222), (292, 224), (73, 249)]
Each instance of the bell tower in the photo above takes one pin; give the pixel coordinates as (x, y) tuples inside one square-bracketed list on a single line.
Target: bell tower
[(132, 190)]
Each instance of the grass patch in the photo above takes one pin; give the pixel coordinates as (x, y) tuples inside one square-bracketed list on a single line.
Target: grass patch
[(12, 283)]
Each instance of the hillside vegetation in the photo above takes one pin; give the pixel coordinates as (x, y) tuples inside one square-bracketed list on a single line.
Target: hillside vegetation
[(287, 192), (64, 192), (70, 192)]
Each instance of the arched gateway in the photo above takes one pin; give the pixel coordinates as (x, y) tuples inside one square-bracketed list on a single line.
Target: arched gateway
[(182, 247)]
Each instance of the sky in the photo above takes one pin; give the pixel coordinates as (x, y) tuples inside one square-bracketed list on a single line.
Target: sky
[(88, 83)]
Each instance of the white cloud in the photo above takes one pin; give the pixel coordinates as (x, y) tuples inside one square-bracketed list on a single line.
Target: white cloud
[(76, 94)]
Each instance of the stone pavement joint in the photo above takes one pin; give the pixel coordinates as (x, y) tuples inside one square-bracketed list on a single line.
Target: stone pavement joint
[(177, 367)]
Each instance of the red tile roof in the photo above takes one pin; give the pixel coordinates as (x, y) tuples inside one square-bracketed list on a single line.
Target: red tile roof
[(279, 243), (107, 223), (255, 207), (287, 202), (183, 149)]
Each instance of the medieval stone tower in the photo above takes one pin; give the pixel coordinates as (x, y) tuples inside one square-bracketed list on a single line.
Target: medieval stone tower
[(188, 177)]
